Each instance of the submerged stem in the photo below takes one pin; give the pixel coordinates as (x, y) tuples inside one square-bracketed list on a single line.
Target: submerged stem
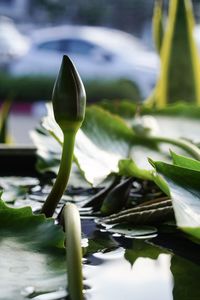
[(73, 251), (63, 175)]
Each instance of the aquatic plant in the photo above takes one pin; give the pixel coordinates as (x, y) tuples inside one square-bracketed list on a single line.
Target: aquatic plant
[(69, 100)]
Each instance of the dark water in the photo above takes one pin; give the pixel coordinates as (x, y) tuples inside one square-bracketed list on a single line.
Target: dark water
[(159, 266)]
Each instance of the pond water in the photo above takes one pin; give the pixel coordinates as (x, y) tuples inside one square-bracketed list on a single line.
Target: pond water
[(142, 268), (116, 278), (162, 265)]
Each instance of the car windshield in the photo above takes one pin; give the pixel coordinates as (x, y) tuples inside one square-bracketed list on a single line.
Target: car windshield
[(82, 39), (76, 46)]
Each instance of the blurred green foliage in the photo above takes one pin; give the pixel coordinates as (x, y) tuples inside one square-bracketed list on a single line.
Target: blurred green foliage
[(180, 65), (30, 89)]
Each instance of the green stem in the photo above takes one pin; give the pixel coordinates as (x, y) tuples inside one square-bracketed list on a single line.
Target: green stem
[(185, 145), (63, 175), (73, 251), (189, 147)]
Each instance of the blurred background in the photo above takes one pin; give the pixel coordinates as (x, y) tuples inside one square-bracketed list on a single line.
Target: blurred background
[(109, 41)]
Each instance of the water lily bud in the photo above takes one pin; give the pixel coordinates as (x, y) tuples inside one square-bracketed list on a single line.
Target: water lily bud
[(69, 98)]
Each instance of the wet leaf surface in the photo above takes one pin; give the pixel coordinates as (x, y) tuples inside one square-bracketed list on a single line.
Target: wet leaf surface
[(185, 193), (132, 231), (32, 253)]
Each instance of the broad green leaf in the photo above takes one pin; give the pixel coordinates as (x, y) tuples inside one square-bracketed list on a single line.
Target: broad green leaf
[(179, 77), (175, 120), (185, 193), (101, 143), (186, 279), (185, 162), (48, 150), (127, 167), (103, 140), (32, 253), (127, 109), (49, 154)]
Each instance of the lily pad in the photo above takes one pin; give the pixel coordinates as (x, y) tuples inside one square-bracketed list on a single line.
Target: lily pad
[(186, 278), (103, 140), (32, 253), (101, 143), (185, 193), (131, 232), (48, 150)]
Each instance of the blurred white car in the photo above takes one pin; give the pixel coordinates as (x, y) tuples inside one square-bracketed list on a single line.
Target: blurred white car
[(197, 35), (13, 44), (99, 53)]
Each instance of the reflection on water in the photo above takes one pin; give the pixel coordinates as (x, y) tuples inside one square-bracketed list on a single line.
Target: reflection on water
[(137, 269), (115, 267), (117, 278)]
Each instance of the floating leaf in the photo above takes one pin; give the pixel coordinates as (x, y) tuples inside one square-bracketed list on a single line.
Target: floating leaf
[(102, 141), (48, 150), (49, 154), (130, 231), (185, 193), (32, 253), (186, 278), (105, 139)]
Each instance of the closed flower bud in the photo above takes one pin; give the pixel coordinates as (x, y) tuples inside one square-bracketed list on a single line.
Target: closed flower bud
[(69, 98)]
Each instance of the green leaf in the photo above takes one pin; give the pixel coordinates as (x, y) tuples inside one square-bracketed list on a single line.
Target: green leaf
[(185, 193), (128, 109), (32, 253), (185, 162), (179, 78), (128, 167), (4, 114), (158, 25), (49, 154), (186, 279), (48, 151), (103, 140)]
